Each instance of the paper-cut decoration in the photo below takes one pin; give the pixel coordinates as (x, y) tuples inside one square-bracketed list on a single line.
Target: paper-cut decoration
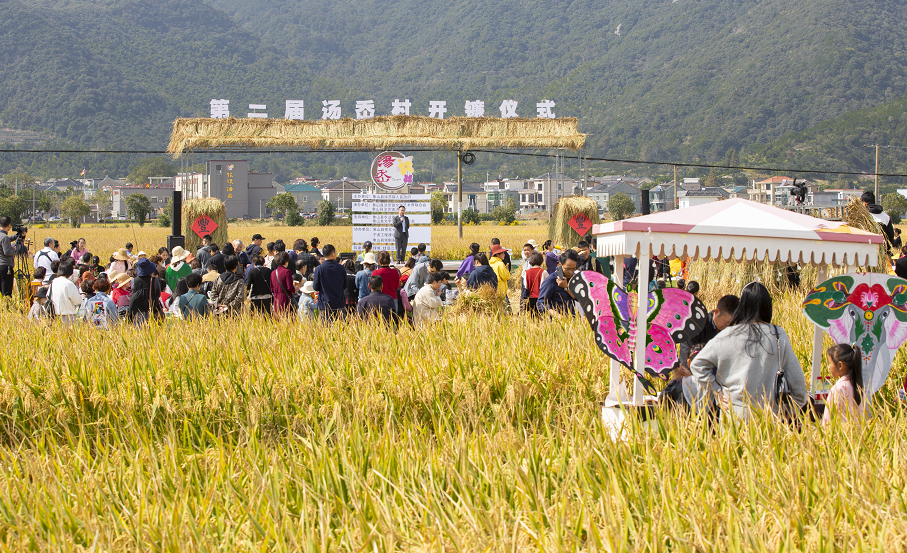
[(673, 316), (867, 310), (581, 224), (204, 225)]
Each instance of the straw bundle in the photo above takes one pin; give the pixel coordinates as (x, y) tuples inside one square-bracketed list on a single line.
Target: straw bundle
[(857, 216), (378, 133), (559, 229), (212, 207)]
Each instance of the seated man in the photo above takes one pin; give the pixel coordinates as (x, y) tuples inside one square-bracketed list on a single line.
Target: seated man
[(377, 301), (718, 320), (427, 302), (193, 303), (553, 295)]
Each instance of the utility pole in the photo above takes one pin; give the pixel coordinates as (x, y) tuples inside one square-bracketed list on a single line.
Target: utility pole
[(877, 175), (460, 193), (676, 204)]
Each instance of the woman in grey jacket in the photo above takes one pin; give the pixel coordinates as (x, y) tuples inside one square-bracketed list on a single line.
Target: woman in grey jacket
[(741, 363)]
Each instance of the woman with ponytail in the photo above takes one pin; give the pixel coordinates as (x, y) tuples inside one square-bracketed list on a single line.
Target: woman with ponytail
[(846, 396)]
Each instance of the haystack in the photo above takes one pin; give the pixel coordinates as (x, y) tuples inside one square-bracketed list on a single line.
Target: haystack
[(378, 133), (857, 216), (559, 229), (213, 208)]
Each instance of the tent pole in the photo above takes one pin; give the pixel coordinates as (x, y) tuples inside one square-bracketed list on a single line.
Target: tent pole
[(642, 290), (459, 193), (617, 392), (817, 339)]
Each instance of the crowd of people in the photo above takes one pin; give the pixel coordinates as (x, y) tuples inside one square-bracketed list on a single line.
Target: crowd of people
[(731, 365)]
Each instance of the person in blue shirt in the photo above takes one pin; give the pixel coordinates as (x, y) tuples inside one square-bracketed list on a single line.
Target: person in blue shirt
[(329, 280), (368, 263), (553, 295)]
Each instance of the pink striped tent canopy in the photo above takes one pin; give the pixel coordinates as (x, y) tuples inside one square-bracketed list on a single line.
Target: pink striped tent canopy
[(741, 230)]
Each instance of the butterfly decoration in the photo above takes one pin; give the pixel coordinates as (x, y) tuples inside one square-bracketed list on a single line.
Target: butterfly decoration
[(673, 316), (867, 310)]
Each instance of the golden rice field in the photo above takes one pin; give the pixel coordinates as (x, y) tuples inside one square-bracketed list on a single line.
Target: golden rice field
[(445, 242), (478, 434)]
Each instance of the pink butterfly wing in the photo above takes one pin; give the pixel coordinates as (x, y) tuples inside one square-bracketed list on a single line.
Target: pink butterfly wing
[(600, 300), (680, 313), (661, 352)]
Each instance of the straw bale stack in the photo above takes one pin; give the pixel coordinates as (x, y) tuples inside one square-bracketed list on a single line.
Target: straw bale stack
[(559, 229), (857, 216), (212, 207), (378, 133)]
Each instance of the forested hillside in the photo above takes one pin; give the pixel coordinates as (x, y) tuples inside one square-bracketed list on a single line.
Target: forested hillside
[(666, 80)]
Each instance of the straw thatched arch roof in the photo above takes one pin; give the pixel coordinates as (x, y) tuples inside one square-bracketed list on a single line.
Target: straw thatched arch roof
[(378, 133)]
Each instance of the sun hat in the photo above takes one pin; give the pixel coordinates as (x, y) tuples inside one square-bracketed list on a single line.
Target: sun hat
[(111, 274), (122, 278), (308, 287), (532, 243), (121, 255), (496, 249), (178, 254), (369, 258), (142, 254), (145, 268)]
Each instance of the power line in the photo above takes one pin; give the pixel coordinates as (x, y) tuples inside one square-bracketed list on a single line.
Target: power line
[(500, 152), (704, 165)]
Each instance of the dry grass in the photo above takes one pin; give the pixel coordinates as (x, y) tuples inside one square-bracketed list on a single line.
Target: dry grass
[(559, 229), (378, 133), (857, 216), (213, 208)]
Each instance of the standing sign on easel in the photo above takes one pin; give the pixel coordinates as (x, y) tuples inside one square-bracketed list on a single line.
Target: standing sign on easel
[(373, 214)]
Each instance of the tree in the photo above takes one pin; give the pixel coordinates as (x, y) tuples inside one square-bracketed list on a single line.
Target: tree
[(620, 206), (895, 206), (325, 213), (151, 167), (73, 208), (138, 207), (104, 201), (166, 216), (505, 213), (438, 203), (471, 215), (294, 219), (19, 178), (14, 206), (283, 204), (712, 180)]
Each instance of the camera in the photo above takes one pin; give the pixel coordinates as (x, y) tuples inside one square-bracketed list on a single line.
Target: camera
[(799, 192), (19, 232)]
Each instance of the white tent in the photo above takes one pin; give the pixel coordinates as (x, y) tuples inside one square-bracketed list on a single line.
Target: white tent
[(736, 230)]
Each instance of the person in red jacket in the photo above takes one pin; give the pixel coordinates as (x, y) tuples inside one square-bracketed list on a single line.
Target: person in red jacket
[(532, 282), (282, 285)]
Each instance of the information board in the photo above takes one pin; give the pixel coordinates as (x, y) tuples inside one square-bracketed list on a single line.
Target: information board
[(373, 216)]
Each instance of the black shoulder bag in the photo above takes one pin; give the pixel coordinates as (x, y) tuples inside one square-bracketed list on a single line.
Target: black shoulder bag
[(787, 407)]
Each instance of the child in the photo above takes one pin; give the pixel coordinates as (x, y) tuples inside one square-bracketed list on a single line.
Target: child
[(846, 396), (532, 280), (37, 310), (307, 303)]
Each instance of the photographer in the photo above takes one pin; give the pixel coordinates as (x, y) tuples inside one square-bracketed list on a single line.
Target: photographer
[(7, 256)]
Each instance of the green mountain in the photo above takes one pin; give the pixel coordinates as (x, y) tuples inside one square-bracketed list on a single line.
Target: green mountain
[(659, 80), (845, 143)]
